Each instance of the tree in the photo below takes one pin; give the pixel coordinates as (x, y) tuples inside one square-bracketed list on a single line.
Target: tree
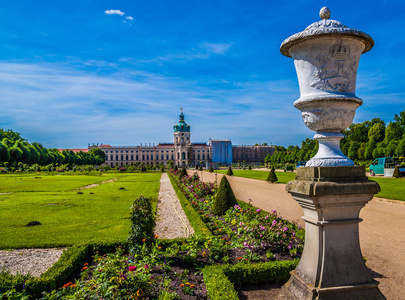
[(4, 153), (224, 198), (376, 133), (230, 172), (98, 154)]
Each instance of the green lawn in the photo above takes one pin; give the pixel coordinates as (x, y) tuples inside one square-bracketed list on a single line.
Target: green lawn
[(67, 217), (391, 188), (283, 177)]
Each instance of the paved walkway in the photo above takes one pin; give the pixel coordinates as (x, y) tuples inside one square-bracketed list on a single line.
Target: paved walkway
[(171, 221), (382, 233)]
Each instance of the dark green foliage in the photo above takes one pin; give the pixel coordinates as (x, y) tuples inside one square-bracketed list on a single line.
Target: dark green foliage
[(183, 172), (142, 225), (211, 170), (229, 173), (143, 168), (195, 177), (396, 174), (201, 168), (250, 167), (218, 285), (175, 168), (224, 198), (277, 271), (272, 176), (162, 169), (220, 280)]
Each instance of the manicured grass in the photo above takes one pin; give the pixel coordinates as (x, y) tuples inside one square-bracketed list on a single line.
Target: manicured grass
[(69, 218), (43, 182), (283, 177), (391, 188)]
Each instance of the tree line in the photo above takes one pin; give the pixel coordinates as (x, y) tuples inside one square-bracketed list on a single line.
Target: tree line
[(362, 143), (16, 151)]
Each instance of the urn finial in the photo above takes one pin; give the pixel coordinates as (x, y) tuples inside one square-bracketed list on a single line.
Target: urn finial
[(324, 13)]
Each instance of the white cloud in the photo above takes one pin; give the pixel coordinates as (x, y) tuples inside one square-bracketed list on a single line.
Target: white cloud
[(219, 48), (114, 12), (129, 18)]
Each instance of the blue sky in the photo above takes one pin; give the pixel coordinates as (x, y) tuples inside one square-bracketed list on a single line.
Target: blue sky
[(117, 72)]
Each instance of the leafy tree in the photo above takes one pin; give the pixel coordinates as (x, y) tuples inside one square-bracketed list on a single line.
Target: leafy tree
[(376, 132), (4, 153), (98, 154)]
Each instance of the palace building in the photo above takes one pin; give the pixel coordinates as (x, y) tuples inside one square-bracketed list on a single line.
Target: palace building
[(182, 152)]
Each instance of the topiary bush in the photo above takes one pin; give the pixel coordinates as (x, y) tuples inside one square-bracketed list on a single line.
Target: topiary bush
[(211, 170), (195, 177), (272, 176), (142, 225), (229, 173), (183, 172), (396, 173), (224, 198), (201, 168), (250, 167)]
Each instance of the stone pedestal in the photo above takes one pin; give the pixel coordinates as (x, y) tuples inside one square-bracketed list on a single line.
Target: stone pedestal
[(332, 266)]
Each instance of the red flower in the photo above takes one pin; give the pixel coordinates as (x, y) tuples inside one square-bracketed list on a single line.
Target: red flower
[(131, 268)]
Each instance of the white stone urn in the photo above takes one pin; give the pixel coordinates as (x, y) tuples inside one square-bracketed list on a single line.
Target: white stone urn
[(326, 56)]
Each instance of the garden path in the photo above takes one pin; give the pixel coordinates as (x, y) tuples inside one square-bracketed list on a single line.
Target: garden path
[(171, 221), (381, 233)]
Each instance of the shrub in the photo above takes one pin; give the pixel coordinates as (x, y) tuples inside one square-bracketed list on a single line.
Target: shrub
[(229, 173), (396, 174), (183, 172), (142, 225), (211, 170), (195, 177), (224, 198), (175, 169), (272, 176), (201, 168), (250, 167)]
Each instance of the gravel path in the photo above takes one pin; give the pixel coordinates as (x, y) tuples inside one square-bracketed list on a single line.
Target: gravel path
[(32, 261), (171, 221), (381, 233)]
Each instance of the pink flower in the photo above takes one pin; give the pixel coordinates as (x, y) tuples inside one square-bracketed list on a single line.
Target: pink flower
[(131, 268), (146, 266), (258, 210)]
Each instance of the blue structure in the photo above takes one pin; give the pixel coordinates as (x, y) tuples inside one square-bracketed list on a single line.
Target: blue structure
[(221, 152)]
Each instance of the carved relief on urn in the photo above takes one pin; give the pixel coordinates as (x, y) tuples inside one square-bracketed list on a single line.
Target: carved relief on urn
[(326, 56)]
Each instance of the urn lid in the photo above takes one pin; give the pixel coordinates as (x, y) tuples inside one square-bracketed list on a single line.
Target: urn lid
[(325, 27)]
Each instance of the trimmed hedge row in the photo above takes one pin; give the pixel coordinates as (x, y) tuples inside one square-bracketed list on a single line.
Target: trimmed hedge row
[(220, 280), (194, 218), (70, 261)]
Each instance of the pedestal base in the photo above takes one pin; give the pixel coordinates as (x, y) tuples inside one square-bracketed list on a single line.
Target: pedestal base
[(331, 265)]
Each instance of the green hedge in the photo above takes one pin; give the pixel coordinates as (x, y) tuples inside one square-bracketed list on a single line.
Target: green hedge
[(200, 228), (70, 261), (218, 285), (220, 280)]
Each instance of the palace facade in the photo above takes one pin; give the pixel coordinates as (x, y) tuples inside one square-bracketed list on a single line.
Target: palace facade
[(182, 152)]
